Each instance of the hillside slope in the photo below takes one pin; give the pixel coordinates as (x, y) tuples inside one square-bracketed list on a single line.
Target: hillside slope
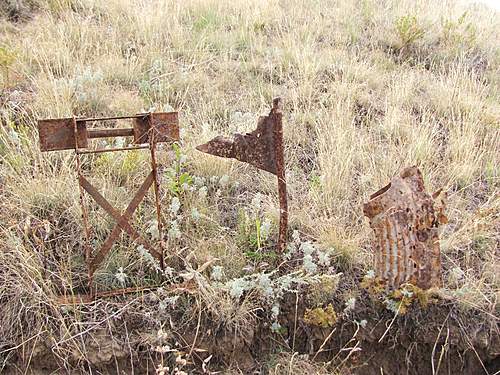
[(368, 88)]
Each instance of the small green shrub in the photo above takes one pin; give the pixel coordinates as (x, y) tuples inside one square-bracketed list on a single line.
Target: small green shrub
[(459, 32), (209, 19), (7, 58), (408, 30), (178, 178)]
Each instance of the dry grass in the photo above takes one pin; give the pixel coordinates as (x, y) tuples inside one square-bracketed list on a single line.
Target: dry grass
[(368, 89)]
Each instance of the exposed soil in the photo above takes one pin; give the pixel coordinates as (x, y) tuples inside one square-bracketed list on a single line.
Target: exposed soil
[(440, 339)]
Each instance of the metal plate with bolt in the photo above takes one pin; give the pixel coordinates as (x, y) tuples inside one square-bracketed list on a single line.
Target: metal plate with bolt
[(148, 130)]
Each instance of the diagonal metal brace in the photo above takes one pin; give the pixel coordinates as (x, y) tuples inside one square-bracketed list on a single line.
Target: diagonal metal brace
[(122, 221)]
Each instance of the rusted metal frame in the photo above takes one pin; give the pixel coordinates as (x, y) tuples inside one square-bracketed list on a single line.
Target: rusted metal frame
[(140, 147), (121, 220), (88, 248), (59, 134), (72, 134), (156, 186), (280, 173)]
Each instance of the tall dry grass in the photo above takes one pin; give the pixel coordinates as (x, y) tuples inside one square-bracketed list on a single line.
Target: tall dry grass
[(368, 87)]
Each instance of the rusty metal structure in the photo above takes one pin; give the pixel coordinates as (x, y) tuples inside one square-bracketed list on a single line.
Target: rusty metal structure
[(405, 220), (262, 148), (148, 130)]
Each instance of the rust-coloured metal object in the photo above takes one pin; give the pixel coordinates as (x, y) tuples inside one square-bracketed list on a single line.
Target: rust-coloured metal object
[(262, 148), (129, 148), (148, 130), (405, 221), (122, 221), (62, 134), (81, 299), (88, 249), (165, 125), (59, 134)]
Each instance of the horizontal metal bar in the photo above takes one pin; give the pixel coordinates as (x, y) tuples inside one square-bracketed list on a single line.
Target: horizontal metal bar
[(140, 115), (118, 292), (80, 151), (116, 132), (80, 299)]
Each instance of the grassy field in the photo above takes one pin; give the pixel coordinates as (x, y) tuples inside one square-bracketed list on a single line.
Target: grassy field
[(368, 88)]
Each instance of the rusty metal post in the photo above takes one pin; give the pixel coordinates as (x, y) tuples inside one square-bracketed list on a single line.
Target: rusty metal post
[(88, 249), (405, 222), (280, 173), (156, 187)]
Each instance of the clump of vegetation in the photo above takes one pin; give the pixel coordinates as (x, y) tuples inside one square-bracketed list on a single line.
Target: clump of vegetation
[(322, 317), (459, 32), (400, 300), (7, 58), (408, 30)]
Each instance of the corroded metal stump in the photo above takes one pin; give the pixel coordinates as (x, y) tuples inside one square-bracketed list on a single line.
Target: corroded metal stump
[(405, 219)]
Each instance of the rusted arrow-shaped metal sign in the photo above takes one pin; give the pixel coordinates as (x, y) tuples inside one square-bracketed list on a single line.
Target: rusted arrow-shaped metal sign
[(148, 130), (262, 148)]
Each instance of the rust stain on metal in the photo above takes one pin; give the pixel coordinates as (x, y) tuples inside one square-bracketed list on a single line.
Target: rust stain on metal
[(164, 126), (148, 130), (276, 118), (405, 221), (58, 134), (86, 227), (256, 148), (262, 148), (110, 132), (128, 148), (156, 187)]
